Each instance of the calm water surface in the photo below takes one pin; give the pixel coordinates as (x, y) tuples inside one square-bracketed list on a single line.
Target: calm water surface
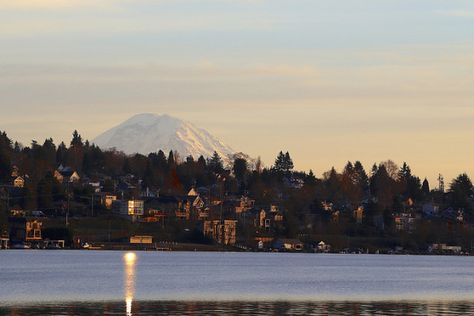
[(193, 283)]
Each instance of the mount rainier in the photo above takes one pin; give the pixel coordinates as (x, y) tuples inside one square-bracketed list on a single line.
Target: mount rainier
[(147, 133)]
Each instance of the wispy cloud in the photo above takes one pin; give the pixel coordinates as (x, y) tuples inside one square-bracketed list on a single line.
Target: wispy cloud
[(457, 13), (52, 4)]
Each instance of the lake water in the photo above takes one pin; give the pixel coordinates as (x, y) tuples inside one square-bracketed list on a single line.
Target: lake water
[(194, 283)]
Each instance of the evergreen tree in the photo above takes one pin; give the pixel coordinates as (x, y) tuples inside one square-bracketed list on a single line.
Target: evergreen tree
[(259, 165), (280, 162), (332, 185), (127, 168), (383, 188), (5, 156), (461, 190), (405, 172), (374, 170), (425, 188), (288, 162), (283, 163), (310, 179), (171, 160), (215, 163), (158, 160), (76, 139), (76, 152), (201, 162), (61, 154), (49, 153), (362, 179), (240, 169)]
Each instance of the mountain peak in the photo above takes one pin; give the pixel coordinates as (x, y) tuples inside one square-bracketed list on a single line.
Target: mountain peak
[(147, 132)]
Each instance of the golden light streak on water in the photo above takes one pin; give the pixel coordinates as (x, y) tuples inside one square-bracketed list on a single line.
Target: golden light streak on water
[(130, 259)]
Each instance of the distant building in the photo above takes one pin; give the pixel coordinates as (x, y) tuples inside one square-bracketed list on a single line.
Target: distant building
[(223, 232), (269, 219), (288, 244), (245, 204), (444, 248), (263, 222), (193, 192), (323, 247), (109, 200), (359, 214), (263, 241), (153, 216), (135, 207), (4, 240), (17, 213), (15, 172), (19, 182), (141, 240), (132, 208), (96, 186), (404, 222), (327, 206), (191, 206), (66, 174), (430, 210), (23, 230)]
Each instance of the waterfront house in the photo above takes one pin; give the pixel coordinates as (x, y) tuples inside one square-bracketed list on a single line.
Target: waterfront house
[(263, 241), (23, 230), (323, 247), (444, 248), (284, 244), (4, 240), (141, 240)]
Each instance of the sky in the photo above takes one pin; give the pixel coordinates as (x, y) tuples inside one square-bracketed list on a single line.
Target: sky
[(328, 81)]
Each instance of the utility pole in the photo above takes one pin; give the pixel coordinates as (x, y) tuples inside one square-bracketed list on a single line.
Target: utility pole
[(92, 205), (108, 231), (8, 201), (68, 203), (441, 183)]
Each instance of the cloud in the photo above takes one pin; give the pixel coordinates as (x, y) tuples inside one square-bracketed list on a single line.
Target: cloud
[(51, 4), (458, 13)]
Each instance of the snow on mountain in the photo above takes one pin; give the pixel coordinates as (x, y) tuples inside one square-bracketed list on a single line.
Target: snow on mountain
[(147, 133)]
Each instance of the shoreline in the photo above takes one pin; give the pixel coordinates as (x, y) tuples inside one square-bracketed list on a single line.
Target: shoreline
[(213, 249)]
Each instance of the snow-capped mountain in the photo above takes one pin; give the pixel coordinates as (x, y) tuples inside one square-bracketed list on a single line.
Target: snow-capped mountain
[(147, 133)]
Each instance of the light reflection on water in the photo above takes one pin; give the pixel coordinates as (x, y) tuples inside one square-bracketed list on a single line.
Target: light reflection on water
[(247, 308), (129, 259)]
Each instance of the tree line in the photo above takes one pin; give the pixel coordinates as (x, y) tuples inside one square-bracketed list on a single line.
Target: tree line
[(383, 190)]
